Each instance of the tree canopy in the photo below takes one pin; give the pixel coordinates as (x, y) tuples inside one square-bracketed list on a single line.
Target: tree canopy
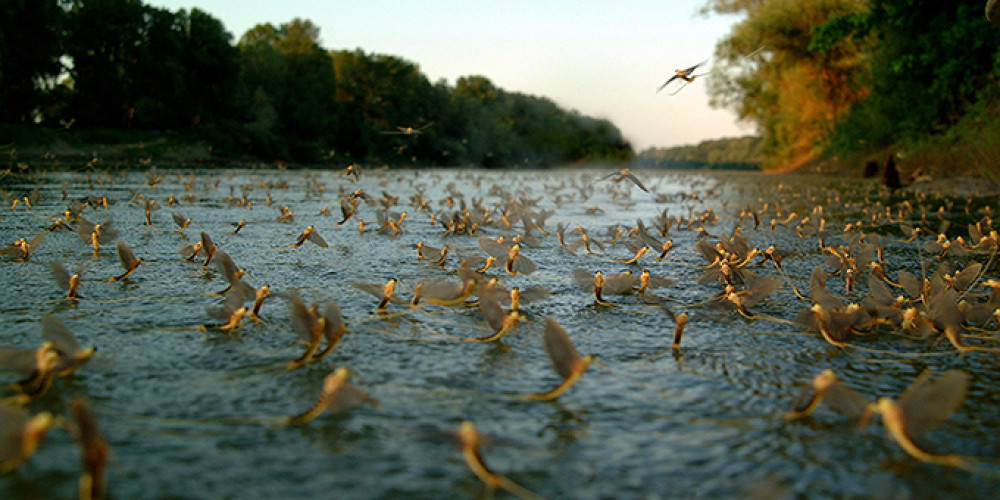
[(855, 76), (274, 94)]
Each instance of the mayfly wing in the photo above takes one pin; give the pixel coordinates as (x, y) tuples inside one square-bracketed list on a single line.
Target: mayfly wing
[(926, 404), (302, 318), (493, 248), (317, 239), (60, 274), (55, 331), (560, 348), (584, 279), (845, 400), (226, 266), (331, 311), (523, 265), (966, 277), (125, 255)]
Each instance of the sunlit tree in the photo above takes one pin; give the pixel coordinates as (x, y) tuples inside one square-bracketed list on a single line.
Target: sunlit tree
[(778, 79)]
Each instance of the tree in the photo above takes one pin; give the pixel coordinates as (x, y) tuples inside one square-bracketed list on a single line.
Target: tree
[(284, 71), (929, 60), (477, 87), (843, 76), (29, 55), (104, 40), (212, 66), (383, 93), (278, 94), (778, 79), (155, 80), (261, 79)]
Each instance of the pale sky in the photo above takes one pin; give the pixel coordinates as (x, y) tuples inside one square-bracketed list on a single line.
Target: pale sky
[(604, 59)]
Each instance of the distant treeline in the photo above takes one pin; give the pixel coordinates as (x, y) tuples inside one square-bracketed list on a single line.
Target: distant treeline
[(641, 162), (741, 153), (276, 94), (850, 78)]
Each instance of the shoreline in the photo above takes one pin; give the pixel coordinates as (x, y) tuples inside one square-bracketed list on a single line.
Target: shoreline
[(168, 151)]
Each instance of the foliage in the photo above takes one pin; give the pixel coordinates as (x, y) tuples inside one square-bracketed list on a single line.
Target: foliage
[(276, 94), (794, 92), (143, 67), (380, 93), (928, 62), (853, 77), (971, 145), (732, 153), (302, 89), (24, 66)]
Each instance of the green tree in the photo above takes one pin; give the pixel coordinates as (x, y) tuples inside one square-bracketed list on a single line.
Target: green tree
[(278, 94), (384, 93), (29, 55), (856, 76), (212, 66), (155, 80), (146, 67), (929, 60), (104, 42), (262, 74), (477, 87), (776, 78), (285, 72)]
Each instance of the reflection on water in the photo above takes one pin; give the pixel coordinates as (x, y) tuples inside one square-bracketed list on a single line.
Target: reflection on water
[(191, 413)]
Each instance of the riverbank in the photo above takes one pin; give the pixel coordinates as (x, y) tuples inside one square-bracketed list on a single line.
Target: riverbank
[(20, 144), (26, 145)]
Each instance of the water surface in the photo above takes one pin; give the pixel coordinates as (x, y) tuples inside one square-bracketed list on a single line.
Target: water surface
[(190, 413)]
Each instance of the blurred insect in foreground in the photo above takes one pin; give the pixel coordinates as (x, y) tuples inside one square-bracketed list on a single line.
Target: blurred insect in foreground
[(128, 260), (20, 435), (310, 234), (385, 293), (181, 221), (149, 207), (72, 355), (313, 325), (231, 312), (96, 234), (471, 440), (22, 249), (35, 366), (826, 387), (65, 280), (500, 321), (923, 405), (94, 450)]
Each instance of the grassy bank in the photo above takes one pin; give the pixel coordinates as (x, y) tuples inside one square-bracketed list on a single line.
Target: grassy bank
[(969, 148), (27, 143)]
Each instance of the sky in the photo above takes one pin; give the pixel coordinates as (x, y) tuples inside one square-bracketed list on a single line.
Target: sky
[(603, 59)]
